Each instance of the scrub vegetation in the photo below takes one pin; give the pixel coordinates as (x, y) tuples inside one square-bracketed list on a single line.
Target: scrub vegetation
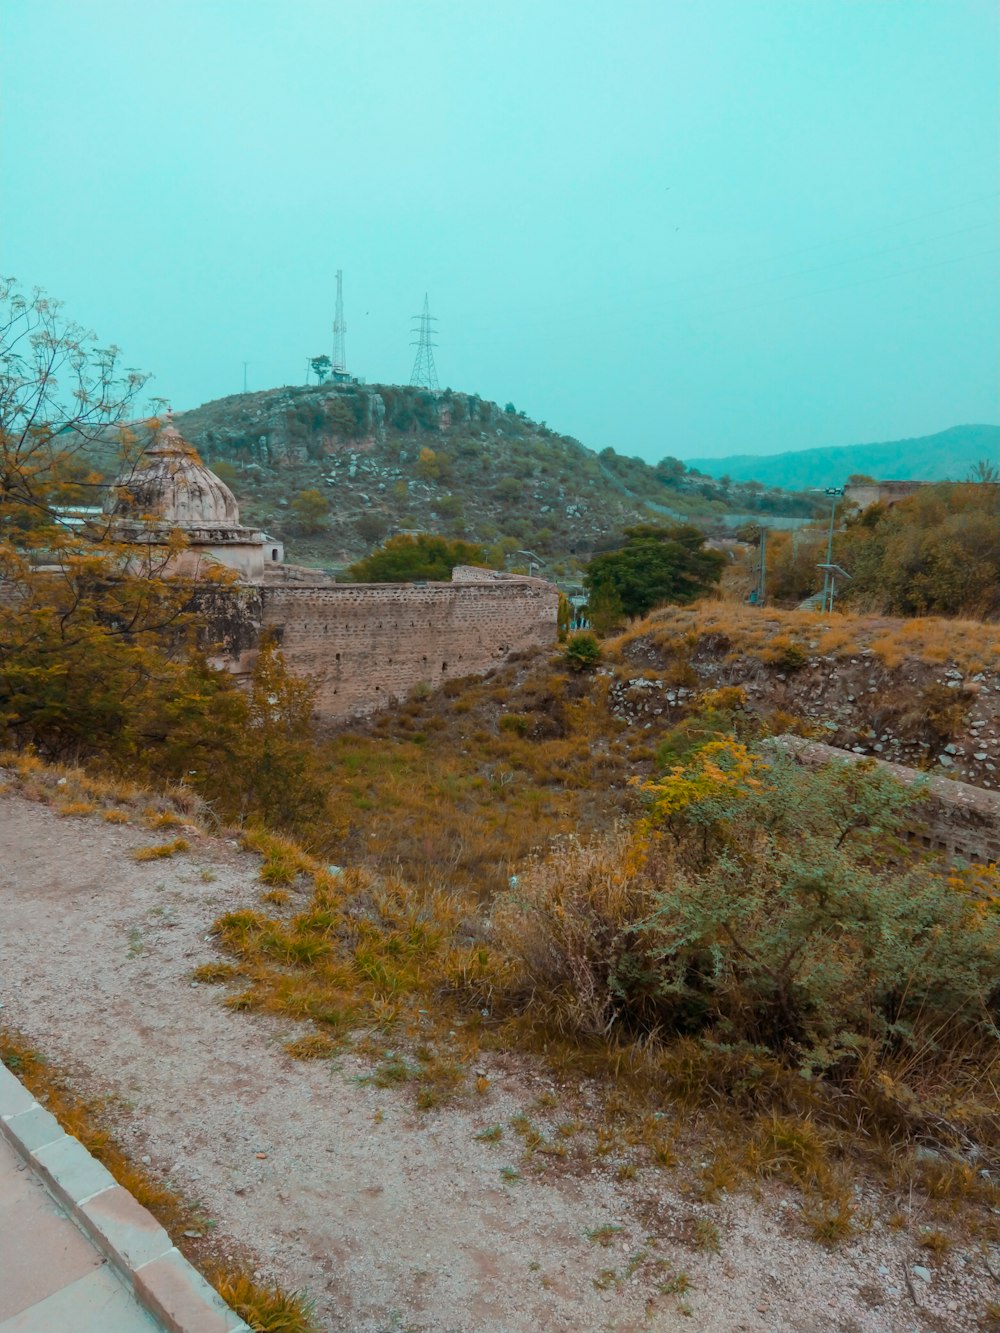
[(745, 957)]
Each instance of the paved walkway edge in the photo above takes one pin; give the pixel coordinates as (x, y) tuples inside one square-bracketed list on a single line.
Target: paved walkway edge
[(128, 1235)]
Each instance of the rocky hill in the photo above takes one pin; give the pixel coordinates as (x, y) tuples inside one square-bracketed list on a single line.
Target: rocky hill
[(387, 459), (949, 455)]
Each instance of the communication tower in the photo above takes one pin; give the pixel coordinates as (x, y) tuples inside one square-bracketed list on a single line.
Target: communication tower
[(338, 367), (424, 370)]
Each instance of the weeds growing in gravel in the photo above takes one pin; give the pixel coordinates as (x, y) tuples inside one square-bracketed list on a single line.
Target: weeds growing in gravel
[(266, 1309), (162, 851)]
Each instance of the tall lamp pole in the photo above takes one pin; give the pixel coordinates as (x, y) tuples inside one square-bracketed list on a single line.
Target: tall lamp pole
[(829, 583)]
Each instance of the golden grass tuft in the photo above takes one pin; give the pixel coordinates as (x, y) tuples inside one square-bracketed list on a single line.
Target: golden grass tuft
[(71, 808), (161, 851), (266, 1309), (316, 1046)]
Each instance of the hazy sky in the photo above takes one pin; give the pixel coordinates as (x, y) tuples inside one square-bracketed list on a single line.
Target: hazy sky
[(685, 227)]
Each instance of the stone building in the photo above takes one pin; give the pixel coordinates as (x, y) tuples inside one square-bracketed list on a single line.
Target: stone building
[(365, 644), (170, 490)]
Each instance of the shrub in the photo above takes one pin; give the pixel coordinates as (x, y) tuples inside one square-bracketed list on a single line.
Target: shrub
[(761, 904), (582, 651)]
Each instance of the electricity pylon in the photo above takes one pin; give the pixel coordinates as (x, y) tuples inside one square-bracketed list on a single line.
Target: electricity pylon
[(424, 370)]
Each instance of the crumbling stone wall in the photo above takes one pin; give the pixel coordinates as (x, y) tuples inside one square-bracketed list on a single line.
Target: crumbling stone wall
[(958, 820), (863, 494), (371, 644)]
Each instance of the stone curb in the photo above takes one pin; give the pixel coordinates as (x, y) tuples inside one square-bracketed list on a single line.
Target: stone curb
[(127, 1234)]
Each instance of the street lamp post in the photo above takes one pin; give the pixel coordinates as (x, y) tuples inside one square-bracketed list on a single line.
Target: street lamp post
[(835, 492)]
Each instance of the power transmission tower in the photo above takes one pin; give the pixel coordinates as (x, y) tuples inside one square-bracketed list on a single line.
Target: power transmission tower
[(339, 330), (424, 370)]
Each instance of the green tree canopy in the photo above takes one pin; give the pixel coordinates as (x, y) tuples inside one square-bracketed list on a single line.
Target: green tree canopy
[(654, 565), (423, 556)]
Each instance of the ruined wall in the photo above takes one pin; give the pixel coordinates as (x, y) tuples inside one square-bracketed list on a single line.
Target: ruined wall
[(372, 643), (958, 820), (863, 494)]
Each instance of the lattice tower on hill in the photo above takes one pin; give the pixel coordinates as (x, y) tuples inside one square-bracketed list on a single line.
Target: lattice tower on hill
[(424, 369)]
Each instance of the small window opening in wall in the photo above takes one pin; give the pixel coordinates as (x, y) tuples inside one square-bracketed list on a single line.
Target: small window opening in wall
[(444, 666), (274, 553), (338, 657)]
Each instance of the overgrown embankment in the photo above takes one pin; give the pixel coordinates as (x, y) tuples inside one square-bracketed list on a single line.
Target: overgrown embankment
[(925, 692)]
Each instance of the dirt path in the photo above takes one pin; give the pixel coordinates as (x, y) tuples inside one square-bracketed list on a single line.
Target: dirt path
[(390, 1218)]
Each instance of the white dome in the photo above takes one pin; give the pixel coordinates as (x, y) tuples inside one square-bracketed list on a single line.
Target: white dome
[(171, 485)]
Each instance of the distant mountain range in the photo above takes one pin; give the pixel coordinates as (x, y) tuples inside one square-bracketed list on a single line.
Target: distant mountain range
[(948, 456)]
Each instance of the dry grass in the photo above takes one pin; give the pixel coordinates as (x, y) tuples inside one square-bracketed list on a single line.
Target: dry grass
[(86, 1120), (787, 637), (161, 851), (268, 1310), (77, 791), (435, 808)]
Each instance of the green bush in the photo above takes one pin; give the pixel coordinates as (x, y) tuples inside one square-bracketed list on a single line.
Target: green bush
[(762, 905), (582, 651)]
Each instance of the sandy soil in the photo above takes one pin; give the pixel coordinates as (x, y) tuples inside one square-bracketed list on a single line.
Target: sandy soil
[(399, 1222)]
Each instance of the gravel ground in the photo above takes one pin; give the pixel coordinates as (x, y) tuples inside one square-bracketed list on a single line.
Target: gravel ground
[(391, 1219)]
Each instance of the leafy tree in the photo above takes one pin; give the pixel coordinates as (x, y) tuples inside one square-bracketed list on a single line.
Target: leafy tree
[(339, 417), (320, 367), (428, 465), (653, 566), (371, 527), (792, 559), (225, 471), (670, 470), (59, 394), (423, 556), (98, 662), (310, 508)]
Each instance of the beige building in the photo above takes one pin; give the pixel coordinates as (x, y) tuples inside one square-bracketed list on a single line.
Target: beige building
[(170, 491)]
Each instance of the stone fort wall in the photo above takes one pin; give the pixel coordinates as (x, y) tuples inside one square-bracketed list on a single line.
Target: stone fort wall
[(957, 820), (372, 643)]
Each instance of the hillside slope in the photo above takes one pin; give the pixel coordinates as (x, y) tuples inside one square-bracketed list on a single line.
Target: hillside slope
[(947, 456), (389, 459)]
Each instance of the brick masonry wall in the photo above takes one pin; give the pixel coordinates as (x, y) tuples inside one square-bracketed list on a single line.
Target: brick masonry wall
[(371, 644), (958, 820)]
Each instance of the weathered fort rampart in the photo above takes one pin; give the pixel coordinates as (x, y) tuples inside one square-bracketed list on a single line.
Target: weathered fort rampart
[(958, 820), (371, 643), (368, 644)]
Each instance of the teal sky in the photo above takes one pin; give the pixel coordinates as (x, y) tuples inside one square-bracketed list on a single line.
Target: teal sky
[(689, 227)]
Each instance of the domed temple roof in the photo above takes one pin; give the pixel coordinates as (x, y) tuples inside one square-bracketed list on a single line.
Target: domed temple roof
[(170, 490), (170, 485)]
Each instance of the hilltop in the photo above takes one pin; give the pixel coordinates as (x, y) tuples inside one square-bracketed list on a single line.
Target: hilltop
[(387, 459), (949, 455)]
